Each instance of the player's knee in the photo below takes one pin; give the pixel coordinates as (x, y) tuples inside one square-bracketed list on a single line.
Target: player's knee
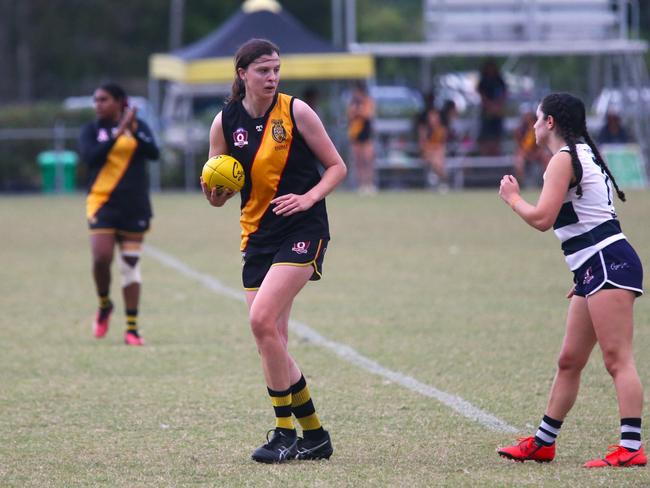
[(262, 325), (130, 267), (570, 361), (102, 260), (614, 361)]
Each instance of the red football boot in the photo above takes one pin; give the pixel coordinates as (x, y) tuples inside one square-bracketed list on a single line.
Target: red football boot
[(133, 339), (619, 457), (100, 325), (528, 450)]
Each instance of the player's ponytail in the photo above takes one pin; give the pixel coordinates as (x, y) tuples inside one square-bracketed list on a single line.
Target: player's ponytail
[(601, 162), (245, 55)]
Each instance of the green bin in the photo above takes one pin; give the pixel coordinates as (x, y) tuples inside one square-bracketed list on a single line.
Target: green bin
[(52, 161)]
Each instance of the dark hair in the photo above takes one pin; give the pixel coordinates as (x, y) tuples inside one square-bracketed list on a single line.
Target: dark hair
[(245, 55), (570, 117), (115, 91)]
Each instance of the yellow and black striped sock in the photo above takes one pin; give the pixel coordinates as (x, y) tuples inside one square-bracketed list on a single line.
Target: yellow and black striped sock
[(303, 408), (104, 302), (281, 401), (132, 321)]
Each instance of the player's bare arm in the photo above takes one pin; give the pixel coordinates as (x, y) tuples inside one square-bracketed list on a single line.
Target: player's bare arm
[(217, 146), (556, 182), (311, 128)]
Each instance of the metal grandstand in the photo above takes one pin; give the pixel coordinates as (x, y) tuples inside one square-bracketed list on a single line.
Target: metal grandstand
[(605, 31)]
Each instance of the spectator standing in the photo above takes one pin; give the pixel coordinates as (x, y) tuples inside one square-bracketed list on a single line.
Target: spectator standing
[(493, 91), (361, 112)]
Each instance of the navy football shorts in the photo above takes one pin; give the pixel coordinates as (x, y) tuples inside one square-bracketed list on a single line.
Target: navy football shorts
[(118, 220), (294, 251), (616, 266)]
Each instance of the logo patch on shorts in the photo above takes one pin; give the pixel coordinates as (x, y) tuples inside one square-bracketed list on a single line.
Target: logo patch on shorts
[(588, 277), (301, 247)]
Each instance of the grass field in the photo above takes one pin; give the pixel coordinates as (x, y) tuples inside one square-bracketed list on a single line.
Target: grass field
[(451, 290)]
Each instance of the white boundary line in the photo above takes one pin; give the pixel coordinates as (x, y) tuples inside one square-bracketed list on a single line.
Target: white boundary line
[(456, 403)]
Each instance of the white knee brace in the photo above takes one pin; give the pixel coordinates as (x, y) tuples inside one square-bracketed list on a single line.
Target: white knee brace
[(130, 272)]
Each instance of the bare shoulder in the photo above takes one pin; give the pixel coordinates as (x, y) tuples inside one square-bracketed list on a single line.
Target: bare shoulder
[(301, 109), (304, 115), (216, 122), (559, 167)]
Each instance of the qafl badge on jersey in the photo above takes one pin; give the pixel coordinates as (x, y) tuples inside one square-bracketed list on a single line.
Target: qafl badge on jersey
[(240, 137), (278, 131)]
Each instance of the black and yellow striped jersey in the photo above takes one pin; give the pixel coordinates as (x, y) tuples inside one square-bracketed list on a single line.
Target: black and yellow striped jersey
[(276, 161), (117, 172)]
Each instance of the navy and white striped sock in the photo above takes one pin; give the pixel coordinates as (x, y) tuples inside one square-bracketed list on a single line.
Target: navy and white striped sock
[(547, 432), (631, 433)]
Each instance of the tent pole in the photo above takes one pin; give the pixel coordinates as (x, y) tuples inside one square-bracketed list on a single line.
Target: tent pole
[(350, 22)]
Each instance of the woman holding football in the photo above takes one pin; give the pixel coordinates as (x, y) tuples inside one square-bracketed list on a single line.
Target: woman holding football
[(280, 142)]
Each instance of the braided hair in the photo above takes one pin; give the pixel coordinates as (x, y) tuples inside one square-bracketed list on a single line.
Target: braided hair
[(570, 119)]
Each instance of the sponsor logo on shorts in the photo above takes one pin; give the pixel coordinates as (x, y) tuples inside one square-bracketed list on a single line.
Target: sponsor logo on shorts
[(588, 277), (240, 137), (301, 247), (618, 266)]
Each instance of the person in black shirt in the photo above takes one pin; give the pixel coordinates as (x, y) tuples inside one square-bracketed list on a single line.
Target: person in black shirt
[(281, 143), (115, 148), (493, 91)]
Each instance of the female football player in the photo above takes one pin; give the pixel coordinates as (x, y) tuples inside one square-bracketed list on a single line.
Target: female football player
[(115, 147), (280, 142), (577, 201)]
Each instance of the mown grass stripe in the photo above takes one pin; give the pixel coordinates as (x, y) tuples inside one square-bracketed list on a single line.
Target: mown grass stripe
[(456, 403)]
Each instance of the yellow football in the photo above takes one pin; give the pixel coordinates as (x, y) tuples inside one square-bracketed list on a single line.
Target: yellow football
[(223, 171)]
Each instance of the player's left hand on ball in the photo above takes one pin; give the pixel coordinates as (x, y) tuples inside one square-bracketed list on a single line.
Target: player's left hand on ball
[(291, 203), (508, 187)]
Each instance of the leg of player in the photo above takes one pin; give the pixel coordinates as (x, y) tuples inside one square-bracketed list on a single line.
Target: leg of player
[(612, 314), (268, 306), (101, 245), (130, 250), (579, 341), (315, 442)]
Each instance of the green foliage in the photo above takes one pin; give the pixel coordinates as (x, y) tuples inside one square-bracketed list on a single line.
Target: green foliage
[(18, 167), (389, 21)]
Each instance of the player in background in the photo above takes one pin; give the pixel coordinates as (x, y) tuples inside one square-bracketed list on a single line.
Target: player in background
[(577, 201), (115, 147), (361, 113), (280, 141)]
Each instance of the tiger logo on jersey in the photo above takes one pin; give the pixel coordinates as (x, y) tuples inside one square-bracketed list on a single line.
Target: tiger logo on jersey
[(278, 131)]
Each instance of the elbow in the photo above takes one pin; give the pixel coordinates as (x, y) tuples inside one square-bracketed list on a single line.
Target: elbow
[(344, 170), (542, 224)]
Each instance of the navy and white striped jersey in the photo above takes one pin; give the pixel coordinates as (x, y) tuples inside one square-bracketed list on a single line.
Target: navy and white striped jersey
[(587, 224)]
